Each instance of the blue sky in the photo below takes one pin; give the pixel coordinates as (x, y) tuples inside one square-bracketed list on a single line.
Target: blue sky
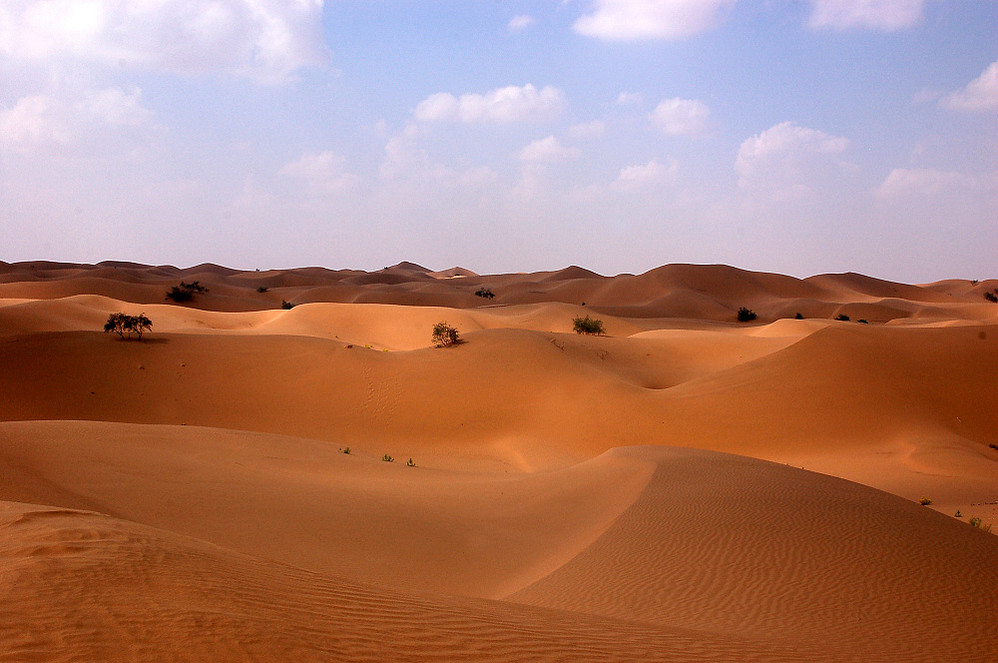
[(799, 137)]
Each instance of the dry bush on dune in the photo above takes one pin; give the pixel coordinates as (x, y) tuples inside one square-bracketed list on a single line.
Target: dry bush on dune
[(746, 315), (444, 335)]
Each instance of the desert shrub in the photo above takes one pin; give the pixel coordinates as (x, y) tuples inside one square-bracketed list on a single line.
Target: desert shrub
[(346, 450), (863, 321), (958, 514), (126, 325), (925, 501), (388, 459), (746, 315), (185, 291), (976, 522), (993, 446), (444, 335), (485, 292), (262, 289), (587, 325), (411, 463), (798, 316), (991, 296), (843, 317), (286, 305)]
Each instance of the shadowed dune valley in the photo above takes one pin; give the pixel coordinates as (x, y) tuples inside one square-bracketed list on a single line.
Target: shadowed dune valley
[(695, 463)]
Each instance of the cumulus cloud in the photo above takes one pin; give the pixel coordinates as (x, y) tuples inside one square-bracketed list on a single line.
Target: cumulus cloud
[(629, 20), (262, 39), (547, 150), (884, 15), (653, 173), (324, 170), (681, 116), (405, 159), (521, 22), (980, 94), (504, 105), (785, 159), (922, 182)]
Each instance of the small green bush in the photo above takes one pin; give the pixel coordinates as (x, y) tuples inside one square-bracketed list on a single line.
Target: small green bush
[(925, 501), (346, 450), (444, 335), (388, 459), (486, 293), (746, 315), (958, 514), (126, 325), (798, 316), (587, 325), (411, 463), (843, 317), (286, 305)]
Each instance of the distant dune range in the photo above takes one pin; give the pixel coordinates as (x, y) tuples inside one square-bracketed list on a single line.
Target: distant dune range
[(686, 487)]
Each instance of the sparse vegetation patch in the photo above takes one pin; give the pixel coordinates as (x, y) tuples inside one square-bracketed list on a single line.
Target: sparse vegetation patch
[(587, 325), (746, 315), (486, 293), (185, 291)]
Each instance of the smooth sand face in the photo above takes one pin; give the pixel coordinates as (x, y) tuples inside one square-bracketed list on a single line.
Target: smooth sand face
[(574, 498)]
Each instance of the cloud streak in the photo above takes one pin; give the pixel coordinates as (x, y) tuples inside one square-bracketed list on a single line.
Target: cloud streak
[(883, 15), (632, 20), (502, 105)]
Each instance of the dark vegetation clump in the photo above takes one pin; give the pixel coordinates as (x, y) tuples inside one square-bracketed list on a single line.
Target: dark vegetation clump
[(843, 317), (798, 316), (444, 335), (587, 325), (746, 315), (126, 326), (992, 296), (286, 305), (262, 289), (185, 291), (485, 293)]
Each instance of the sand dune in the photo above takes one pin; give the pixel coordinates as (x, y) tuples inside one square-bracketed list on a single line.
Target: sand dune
[(573, 497)]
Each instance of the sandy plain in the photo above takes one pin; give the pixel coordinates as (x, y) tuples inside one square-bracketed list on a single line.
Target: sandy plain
[(684, 488)]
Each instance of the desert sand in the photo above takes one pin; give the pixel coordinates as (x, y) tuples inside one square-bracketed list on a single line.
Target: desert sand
[(686, 487)]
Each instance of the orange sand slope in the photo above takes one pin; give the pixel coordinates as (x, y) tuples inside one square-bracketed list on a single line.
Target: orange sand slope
[(567, 503)]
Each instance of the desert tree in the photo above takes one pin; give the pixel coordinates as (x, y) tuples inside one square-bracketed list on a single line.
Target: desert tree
[(126, 325)]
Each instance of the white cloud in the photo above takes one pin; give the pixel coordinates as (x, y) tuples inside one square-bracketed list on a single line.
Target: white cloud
[(504, 105), (980, 94), (629, 98), (923, 182), (323, 170), (785, 159), (521, 22), (627, 20), (652, 173), (45, 120), (587, 129), (885, 15), (406, 160), (116, 107), (547, 150), (263, 39), (681, 116), (34, 120)]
